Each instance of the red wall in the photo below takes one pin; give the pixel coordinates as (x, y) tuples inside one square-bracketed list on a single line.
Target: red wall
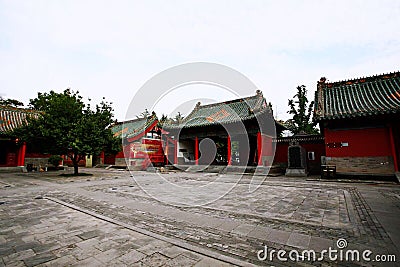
[(373, 142), (281, 153), (36, 155)]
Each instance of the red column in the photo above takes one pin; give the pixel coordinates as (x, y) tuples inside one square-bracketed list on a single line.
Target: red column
[(392, 145), (229, 151), (259, 148), (175, 152), (102, 157), (21, 155), (166, 159), (196, 150)]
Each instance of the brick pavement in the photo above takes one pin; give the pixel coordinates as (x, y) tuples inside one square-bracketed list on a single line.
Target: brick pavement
[(40, 232), (282, 213)]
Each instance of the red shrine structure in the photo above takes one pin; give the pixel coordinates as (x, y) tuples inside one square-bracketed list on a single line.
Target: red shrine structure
[(360, 120), (141, 139)]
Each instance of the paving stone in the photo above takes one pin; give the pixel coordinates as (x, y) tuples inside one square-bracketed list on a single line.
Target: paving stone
[(260, 232), (132, 256), (4, 251), (88, 243), (89, 262), (41, 248), (298, 240), (117, 263), (107, 244), (208, 262), (155, 260), (108, 255), (125, 238), (19, 263), (155, 245), (180, 260), (318, 243), (243, 229), (63, 261), (172, 251), (278, 236), (68, 241), (90, 234), (229, 225), (18, 256), (39, 259), (192, 255), (81, 254)]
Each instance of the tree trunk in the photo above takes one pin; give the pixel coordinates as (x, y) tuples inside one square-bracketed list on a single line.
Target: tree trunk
[(75, 161), (75, 168)]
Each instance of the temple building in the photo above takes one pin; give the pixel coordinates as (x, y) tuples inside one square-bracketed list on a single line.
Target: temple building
[(360, 120), (13, 153), (141, 141), (237, 132)]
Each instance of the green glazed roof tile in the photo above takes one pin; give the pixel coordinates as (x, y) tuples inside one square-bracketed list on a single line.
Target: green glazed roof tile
[(223, 112), (133, 128), (360, 97)]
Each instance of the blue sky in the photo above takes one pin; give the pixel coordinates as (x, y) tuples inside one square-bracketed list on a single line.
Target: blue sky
[(111, 48)]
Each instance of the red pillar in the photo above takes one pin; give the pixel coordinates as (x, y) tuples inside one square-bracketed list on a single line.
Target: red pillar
[(175, 152), (259, 148), (229, 151), (166, 160), (102, 157), (21, 155), (196, 150), (392, 145)]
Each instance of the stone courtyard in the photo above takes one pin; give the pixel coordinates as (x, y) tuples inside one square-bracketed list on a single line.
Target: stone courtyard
[(107, 219)]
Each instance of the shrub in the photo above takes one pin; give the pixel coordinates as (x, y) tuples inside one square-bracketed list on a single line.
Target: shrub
[(55, 160)]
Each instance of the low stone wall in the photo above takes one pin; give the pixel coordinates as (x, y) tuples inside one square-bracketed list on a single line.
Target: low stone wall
[(120, 162), (37, 161), (362, 165)]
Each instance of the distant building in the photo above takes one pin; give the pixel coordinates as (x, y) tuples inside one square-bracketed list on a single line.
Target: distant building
[(360, 120), (12, 152), (141, 141)]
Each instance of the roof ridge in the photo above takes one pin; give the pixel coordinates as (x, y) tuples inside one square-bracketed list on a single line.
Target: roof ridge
[(229, 101), (364, 79), (138, 119), (10, 108)]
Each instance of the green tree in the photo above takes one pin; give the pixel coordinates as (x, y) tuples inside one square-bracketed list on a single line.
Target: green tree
[(10, 102), (302, 112), (68, 126)]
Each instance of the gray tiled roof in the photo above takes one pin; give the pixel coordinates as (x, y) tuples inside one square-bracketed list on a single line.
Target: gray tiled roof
[(224, 112), (11, 118)]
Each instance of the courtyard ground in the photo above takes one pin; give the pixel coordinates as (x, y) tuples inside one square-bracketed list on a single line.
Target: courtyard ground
[(108, 220)]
